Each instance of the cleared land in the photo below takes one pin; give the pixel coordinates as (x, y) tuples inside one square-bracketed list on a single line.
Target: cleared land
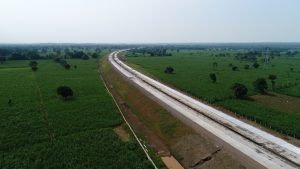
[(191, 75), (41, 130)]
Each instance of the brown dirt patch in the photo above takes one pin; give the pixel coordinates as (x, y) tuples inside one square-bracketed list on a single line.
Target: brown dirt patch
[(280, 102), (122, 133), (171, 163)]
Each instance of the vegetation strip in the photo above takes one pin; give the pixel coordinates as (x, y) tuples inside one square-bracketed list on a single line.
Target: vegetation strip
[(135, 136)]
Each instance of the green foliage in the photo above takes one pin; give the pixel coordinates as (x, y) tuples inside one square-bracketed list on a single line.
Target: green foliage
[(192, 71), (234, 68), (246, 67), (35, 68), (169, 70), (213, 77), (33, 63), (57, 59), (2, 60), (67, 66), (85, 57), (272, 77), (260, 85), (39, 131), (240, 90), (64, 91), (282, 122), (255, 65)]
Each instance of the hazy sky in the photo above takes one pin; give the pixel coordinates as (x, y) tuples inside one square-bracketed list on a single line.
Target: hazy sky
[(144, 21)]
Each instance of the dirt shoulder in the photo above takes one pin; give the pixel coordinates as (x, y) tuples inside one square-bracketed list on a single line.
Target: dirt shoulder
[(166, 134)]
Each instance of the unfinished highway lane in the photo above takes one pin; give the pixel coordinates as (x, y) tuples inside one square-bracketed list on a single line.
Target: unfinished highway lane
[(259, 146)]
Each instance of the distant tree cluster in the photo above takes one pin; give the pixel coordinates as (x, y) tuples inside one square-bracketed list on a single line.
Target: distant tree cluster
[(63, 63), (2, 60), (78, 55), (222, 54), (157, 51), (248, 56), (292, 53), (51, 51)]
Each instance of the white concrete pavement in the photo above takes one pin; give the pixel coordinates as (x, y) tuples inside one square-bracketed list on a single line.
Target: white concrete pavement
[(267, 150)]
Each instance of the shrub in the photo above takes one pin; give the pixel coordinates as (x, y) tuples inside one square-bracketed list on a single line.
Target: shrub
[(34, 68), (234, 68), (246, 67), (260, 85), (255, 65), (33, 63), (95, 55), (169, 70), (213, 77), (272, 78), (240, 90), (67, 66), (64, 91)]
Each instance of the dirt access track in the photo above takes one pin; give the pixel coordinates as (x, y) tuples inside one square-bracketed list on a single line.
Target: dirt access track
[(260, 147)]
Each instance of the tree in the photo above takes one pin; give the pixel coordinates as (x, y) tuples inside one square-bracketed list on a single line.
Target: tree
[(213, 77), (234, 68), (169, 70), (33, 63), (272, 78), (64, 91), (9, 102), (75, 66), (2, 60), (255, 65), (240, 90), (34, 68), (260, 85), (95, 55), (67, 66), (246, 67)]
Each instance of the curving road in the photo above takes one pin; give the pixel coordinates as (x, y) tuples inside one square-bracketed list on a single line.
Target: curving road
[(258, 146)]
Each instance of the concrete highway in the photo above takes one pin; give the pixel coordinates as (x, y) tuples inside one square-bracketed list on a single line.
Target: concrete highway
[(257, 146)]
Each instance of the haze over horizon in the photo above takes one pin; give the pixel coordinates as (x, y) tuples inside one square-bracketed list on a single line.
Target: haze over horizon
[(155, 21)]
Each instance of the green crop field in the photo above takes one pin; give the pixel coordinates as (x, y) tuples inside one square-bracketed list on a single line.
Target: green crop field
[(39, 129), (191, 74)]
